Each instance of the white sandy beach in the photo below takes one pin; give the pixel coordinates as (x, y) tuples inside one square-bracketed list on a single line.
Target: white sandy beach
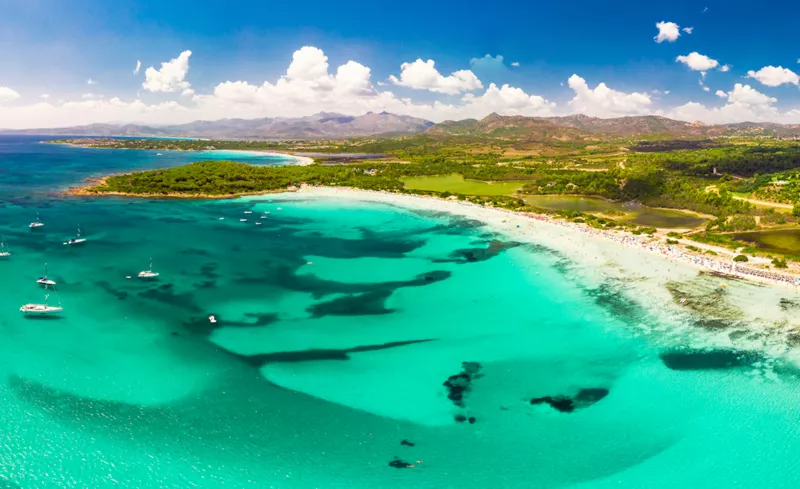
[(638, 266)]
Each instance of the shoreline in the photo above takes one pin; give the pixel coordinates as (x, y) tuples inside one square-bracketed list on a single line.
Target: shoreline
[(498, 218), (301, 160)]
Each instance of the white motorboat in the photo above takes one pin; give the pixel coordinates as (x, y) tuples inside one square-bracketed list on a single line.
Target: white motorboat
[(248, 212), (43, 280), (37, 223), (242, 220), (150, 274), (159, 154), (77, 239)]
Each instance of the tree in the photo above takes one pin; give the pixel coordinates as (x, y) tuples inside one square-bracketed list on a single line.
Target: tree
[(796, 209)]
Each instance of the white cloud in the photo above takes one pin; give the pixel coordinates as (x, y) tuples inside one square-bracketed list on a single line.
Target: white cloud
[(138, 67), (91, 82), (602, 101), (7, 95), (706, 89), (506, 100), (170, 78), (697, 62), (87, 95), (515, 64), (44, 96), (725, 68), (423, 75), (187, 92), (667, 31), (666, 92), (46, 114), (688, 30), (744, 104), (773, 76)]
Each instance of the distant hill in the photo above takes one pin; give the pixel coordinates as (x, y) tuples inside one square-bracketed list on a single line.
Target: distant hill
[(581, 127), (325, 125), (318, 126)]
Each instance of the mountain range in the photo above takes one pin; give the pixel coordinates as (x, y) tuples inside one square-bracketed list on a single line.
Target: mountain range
[(318, 126), (335, 126)]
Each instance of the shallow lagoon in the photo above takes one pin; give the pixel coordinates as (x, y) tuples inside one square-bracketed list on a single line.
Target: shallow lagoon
[(339, 323), (633, 212), (780, 240)]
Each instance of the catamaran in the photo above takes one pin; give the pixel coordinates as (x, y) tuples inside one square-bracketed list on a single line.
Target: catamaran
[(37, 223), (148, 273), (44, 280), (41, 309), (3, 252), (77, 239)]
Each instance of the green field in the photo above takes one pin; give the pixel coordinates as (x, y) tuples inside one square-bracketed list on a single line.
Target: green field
[(456, 184)]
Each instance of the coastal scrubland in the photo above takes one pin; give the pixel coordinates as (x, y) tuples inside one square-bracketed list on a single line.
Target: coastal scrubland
[(738, 184)]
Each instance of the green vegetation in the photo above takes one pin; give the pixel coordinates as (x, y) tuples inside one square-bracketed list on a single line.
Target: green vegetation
[(779, 263), (526, 165), (740, 258), (456, 184)]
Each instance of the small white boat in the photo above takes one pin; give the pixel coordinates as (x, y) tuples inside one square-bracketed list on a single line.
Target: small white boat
[(43, 280), (3, 252), (41, 309), (148, 273), (158, 154), (248, 212), (279, 208), (77, 239), (37, 223), (258, 223), (242, 220), (263, 217)]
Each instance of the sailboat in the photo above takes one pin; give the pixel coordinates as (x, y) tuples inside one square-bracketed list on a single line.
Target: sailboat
[(77, 239), (3, 252), (37, 223), (41, 309), (44, 280), (148, 273)]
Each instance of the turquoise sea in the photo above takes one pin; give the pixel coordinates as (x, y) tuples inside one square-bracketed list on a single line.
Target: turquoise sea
[(352, 341)]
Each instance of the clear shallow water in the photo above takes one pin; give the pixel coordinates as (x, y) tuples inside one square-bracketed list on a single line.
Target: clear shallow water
[(338, 323)]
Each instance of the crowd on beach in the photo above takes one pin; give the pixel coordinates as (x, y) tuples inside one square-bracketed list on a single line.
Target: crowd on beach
[(648, 244)]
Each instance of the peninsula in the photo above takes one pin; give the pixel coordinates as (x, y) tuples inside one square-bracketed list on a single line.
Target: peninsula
[(725, 196)]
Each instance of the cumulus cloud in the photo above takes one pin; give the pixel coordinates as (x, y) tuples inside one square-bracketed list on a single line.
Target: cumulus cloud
[(773, 76), (743, 104), (688, 30), (91, 82), (45, 96), (87, 95), (46, 114), (309, 87), (602, 101), (170, 78), (667, 31), (7, 95), (697, 62), (725, 68), (423, 75), (138, 67), (515, 64), (187, 92)]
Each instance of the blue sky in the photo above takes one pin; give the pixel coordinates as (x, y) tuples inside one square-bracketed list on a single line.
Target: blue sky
[(54, 48)]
